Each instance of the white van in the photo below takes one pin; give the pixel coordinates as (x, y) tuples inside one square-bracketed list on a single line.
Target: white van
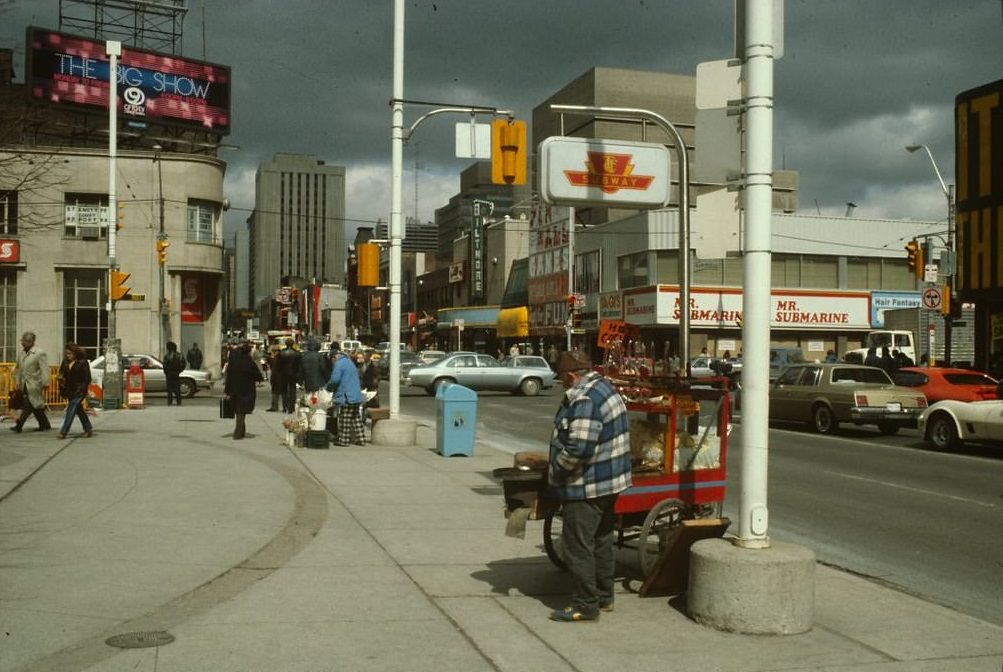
[(351, 346)]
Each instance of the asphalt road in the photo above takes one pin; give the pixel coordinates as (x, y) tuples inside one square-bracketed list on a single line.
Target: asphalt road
[(887, 507)]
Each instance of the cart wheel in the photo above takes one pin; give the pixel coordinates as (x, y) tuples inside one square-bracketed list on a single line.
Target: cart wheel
[(553, 526), (655, 532)]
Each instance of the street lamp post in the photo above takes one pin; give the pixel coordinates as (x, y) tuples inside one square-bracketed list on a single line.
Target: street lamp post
[(161, 236), (949, 195)]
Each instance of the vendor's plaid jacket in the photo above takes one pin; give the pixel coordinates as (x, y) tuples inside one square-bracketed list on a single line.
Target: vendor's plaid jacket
[(590, 444)]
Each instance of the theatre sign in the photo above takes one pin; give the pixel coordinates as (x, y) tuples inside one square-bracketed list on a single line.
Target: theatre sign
[(721, 308)]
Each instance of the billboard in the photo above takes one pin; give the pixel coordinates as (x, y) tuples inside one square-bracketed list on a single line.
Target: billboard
[(152, 87)]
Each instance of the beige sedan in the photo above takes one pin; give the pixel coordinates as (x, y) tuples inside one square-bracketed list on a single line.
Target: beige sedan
[(824, 395)]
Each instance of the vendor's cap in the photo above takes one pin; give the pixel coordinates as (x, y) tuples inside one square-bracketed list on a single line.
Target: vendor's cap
[(573, 361)]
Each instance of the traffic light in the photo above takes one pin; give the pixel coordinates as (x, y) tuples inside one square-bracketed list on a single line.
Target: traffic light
[(120, 221), (572, 312), (915, 258), (162, 245), (508, 152), (368, 264), (116, 285)]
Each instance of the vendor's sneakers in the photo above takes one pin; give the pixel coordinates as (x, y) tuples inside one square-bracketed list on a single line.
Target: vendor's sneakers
[(572, 615)]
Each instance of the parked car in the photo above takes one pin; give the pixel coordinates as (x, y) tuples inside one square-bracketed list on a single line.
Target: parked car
[(939, 383), (485, 373), (780, 357), (191, 380), (408, 360), (429, 356), (824, 395), (948, 424)]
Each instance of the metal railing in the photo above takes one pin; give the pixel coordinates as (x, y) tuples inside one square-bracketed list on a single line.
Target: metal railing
[(52, 397)]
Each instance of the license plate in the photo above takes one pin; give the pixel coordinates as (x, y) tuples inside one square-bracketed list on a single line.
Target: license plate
[(894, 406)]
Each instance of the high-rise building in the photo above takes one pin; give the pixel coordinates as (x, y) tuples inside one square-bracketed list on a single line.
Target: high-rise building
[(297, 229)]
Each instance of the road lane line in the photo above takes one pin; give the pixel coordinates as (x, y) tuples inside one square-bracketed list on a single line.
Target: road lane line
[(988, 505)]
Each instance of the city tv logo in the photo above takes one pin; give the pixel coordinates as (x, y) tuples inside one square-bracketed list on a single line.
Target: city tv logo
[(134, 102), (610, 173)]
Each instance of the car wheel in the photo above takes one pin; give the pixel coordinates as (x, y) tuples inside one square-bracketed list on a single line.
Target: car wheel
[(888, 428), (188, 388), (440, 382), (530, 387), (825, 422), (942, 433)]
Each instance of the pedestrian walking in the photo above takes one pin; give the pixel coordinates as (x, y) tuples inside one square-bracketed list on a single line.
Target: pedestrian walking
[(552, 355), (347, 389), (275, 379), (242, 378), (74, 379), (174, 364), (289, 369), (31, 376), (194, 357), (589, 467)]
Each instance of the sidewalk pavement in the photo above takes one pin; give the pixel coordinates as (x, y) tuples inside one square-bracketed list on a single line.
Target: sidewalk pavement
[(254, 556)]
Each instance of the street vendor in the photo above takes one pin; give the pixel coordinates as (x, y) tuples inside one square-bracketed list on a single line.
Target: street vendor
[(590, 464)]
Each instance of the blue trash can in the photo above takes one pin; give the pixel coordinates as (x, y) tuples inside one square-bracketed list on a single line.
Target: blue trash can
[(455, 419)]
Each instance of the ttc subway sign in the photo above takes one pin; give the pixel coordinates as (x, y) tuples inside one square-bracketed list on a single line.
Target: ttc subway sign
[(586, 171)]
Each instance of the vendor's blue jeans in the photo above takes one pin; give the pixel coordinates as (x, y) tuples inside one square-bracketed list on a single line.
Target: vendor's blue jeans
[(587, 537), (75, 408)]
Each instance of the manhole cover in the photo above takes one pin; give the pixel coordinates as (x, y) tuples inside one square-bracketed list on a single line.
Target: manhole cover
[(140, 640)]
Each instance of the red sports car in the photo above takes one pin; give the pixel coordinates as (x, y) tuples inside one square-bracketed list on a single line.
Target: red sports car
[(941, 383)]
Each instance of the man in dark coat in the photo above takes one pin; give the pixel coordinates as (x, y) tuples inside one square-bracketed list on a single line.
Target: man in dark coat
[(242, 378), (289, 369), (314, 367), (194, 356), (174, 364)]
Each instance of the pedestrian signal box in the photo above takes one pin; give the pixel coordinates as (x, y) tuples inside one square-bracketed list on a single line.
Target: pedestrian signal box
[(508, 152), (117, 289), (368, 262)]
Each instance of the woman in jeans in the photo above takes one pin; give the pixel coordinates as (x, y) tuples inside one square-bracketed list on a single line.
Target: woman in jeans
[(74, 378)]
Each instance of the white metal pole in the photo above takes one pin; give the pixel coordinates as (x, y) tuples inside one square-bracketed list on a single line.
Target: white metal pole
[(397, 169), (113, 49), (571, 269), (754, 518)]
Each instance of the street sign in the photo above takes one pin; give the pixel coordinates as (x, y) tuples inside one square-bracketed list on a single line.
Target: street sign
[(592, 171), (930, 273), (579, 301), (932, 298), (136, 297), (459, 324), (283, 295)]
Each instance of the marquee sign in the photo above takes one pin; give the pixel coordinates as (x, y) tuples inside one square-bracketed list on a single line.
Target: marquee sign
[(603, 172)]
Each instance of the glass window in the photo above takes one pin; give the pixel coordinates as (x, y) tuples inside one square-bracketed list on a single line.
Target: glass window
[(632, 270), (667, 267), (86, 216), (9, 338), (8, 213), (201, 220), (85, 320), (819, 272)]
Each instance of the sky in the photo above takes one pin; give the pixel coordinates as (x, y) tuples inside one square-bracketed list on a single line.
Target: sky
[(858, 81)]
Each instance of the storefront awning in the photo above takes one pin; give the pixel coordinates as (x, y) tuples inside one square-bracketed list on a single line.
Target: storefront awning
[(513, 322)]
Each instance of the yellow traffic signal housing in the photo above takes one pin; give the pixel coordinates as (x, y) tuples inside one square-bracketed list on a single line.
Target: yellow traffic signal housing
[(162, 245), (508, 152), (945, 300), (368, 264), (120, 222), (116, 286), (915, 258)]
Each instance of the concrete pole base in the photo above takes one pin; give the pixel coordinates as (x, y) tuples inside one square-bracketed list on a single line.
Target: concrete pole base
[(769, 591), (395, 433)]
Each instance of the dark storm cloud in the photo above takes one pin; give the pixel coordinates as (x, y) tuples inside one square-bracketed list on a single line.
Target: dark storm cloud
[(859, 80)]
